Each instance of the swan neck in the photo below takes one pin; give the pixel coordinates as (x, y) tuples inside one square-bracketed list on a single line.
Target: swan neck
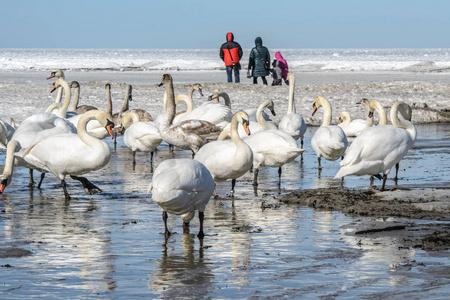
[(11, 148), (170, 107), (76, 98), (369, 120), (226, 98), (382, 117), (399, 123), (234, 135), (260, 118), (347, 119), (326, 113), (81, 127), (109, 108), (59, 95), (126, 104), (63, 109), (130, 116), (291, 104)]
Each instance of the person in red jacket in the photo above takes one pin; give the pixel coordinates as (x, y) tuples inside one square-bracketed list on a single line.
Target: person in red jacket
[(231, 53)]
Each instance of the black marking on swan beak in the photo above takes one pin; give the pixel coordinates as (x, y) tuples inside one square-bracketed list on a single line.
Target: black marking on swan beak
[(109, 127)]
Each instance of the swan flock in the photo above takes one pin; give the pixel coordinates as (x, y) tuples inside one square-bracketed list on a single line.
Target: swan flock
[(67, 139)]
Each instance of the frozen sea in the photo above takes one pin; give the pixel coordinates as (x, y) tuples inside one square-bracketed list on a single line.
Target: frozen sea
[(111, 246)]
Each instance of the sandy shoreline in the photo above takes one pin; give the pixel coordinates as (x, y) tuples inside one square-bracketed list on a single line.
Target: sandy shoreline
[(23, 93)]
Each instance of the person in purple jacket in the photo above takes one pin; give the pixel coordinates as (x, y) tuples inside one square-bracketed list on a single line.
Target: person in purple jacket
[(280, 69)]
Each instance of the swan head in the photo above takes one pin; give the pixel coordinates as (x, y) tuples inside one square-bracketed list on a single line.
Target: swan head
[(58, 73), (58, 83), (271, 107), (318, 102), (198, 87), (74, 84), (404, 109), (3, 185), (242, 117), (166, 79), (103, 118)]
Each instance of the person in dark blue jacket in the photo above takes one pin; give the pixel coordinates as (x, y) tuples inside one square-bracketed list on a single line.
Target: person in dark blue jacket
[(259, 61)]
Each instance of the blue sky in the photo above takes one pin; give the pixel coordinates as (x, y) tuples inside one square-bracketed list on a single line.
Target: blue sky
[(203, 24)]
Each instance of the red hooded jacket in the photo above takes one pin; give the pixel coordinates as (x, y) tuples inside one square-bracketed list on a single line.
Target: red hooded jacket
[(230, 51)]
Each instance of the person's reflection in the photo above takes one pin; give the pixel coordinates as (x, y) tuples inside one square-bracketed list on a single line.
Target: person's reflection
[(182, 273)]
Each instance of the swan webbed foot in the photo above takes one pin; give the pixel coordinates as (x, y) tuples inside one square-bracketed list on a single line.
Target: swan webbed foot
[(88, 186)]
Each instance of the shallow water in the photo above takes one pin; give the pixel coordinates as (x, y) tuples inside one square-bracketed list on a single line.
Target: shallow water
[(111, 245)]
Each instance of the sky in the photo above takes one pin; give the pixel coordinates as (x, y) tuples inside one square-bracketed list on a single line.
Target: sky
[(203, 24)]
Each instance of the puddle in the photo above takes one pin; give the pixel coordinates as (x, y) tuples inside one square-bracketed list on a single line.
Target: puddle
[(112, 245)]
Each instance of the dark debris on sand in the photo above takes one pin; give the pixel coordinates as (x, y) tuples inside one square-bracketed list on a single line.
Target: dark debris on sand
[(369, 203)]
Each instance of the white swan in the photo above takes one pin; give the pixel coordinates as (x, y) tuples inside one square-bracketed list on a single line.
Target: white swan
[(374, 105), (293, 123), (60, 109), (30, 131), (252, 112), (272, 148), (228, 159), (377, 149), (73, 107), (140, 136), (329, 141), (351, 127), (181, 186), (94, 127), (190, 134), (72, 154), (261, 122), (213, 112)]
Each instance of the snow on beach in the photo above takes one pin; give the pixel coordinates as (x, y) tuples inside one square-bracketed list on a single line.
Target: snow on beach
[(419, 77)]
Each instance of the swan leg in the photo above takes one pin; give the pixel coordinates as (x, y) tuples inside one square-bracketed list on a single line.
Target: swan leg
[(255, 177), (166, 229), (233, 183), (279, 177), (186, 227), (384, 182), (66, 193), (318, 160), (31, 183), (115, 140), (40, 181), (201, 217), (134, 160), (397, 166), (88, 186)]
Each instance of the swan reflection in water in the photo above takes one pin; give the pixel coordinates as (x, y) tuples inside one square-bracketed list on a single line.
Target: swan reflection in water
[(182, 273)]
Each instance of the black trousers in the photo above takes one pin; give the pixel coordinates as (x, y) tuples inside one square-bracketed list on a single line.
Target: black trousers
[(255, 80)]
